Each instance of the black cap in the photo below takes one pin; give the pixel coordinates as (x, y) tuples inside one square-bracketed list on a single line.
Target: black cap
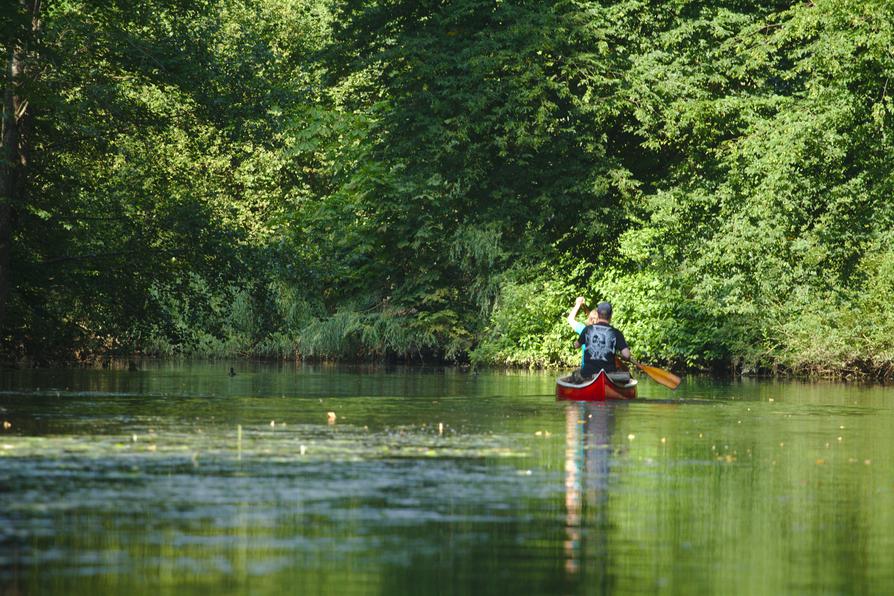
[(604, 310)]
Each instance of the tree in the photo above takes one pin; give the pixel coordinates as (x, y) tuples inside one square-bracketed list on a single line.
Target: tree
[(20, 34)]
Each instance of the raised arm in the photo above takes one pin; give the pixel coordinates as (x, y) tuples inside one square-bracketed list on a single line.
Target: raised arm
[(572, 316)]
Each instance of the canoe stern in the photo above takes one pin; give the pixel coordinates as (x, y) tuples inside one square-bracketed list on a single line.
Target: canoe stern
[(600, 388)]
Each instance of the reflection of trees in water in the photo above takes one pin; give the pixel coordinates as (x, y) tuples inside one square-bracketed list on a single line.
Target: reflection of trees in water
[(588, 428)]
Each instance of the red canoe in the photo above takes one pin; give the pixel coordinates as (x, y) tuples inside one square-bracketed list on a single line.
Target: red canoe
[(600, 388)]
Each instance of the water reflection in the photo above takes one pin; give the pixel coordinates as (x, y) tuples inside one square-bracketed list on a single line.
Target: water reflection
[(588, 451), (114, 482)]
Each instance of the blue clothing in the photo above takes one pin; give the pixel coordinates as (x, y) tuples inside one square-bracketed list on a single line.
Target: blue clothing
[(602, 341), (578, 327)]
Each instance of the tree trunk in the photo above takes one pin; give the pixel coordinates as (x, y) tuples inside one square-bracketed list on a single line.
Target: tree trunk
[(8, 172), (13, 149)]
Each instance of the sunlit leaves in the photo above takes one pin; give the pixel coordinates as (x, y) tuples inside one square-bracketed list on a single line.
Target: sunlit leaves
[(364, 178)]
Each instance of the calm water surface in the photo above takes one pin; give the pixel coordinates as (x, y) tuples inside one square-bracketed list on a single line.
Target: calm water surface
[(437, 482)]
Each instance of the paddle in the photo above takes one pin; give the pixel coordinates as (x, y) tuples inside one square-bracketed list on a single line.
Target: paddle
[(659, 375)]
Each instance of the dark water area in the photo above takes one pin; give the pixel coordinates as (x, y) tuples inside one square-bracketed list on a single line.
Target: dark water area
[(179, 479)]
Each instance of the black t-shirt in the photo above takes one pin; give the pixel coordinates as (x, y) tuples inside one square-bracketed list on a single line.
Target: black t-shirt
[(602, 342)]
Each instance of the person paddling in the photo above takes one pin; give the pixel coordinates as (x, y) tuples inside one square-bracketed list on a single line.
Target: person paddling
[(602, 342)]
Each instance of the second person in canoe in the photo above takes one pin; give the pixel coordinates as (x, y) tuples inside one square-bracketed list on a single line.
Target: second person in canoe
[(601, 342)]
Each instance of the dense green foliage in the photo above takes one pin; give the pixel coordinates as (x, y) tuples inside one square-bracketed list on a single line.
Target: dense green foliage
[(370, 178)]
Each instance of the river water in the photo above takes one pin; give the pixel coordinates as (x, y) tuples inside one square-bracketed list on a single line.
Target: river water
[(180, 479)]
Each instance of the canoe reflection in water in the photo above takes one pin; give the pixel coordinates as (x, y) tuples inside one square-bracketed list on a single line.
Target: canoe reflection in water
[(588, 451)]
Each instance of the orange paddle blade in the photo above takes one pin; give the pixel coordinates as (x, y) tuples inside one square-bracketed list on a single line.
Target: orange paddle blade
[(659, 375)]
